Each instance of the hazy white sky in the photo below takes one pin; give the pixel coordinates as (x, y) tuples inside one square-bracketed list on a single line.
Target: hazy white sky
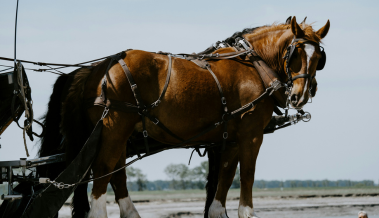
[(339, 143)]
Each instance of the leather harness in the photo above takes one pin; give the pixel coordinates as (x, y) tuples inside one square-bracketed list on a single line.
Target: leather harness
[(269, 77)]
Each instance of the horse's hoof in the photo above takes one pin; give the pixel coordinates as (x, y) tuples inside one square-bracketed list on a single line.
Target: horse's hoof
[(217, 210), (246, 212)]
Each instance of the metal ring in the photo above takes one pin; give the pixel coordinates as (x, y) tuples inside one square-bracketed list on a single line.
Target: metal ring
[(60, 185), (157, 103), (225, 135), (307, 117), (145, 134), (223, 100), (105, 112)]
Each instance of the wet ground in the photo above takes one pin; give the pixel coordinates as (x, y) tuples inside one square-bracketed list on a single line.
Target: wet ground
[(265, 207)]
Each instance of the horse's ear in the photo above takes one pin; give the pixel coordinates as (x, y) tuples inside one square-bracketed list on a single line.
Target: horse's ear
[(288, 21), (304, 20), (295, 28), (323, 30)]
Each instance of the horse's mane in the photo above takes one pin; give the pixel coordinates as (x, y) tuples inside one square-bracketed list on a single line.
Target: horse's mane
[(307, 28), (230, 40)]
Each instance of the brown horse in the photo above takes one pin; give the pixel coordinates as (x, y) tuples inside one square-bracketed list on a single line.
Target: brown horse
[(190, 104)]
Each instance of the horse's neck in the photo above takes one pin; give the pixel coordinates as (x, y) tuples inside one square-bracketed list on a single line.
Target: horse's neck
[(271, 47)]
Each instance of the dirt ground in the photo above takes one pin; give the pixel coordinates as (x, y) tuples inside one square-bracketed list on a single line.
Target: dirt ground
[(265, 207)]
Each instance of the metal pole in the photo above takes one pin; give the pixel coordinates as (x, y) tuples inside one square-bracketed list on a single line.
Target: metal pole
[(10, 180), (15, 35)]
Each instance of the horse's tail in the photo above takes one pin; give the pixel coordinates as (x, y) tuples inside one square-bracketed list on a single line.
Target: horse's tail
[(51, 140), (73, 133), (214, 159), (76, 128)]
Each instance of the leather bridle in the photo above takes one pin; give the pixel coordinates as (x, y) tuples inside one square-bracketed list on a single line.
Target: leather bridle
[(288, 56)]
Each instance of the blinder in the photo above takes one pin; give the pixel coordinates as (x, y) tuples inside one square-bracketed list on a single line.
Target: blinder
[(322, 61)]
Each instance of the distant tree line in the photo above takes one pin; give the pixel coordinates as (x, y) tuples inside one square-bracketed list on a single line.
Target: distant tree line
[(182, 177), (311, 183)]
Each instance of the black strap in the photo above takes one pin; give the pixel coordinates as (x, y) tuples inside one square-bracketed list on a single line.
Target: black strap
[(302, 76), (158, 123), (223, 102), (197, 149), (132, 83), (277, 111), (103, 94), (112, 104), (145, 134), (247, 106), (157, 102)]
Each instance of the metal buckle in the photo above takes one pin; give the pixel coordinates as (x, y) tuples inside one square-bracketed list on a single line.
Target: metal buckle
[(156, 103), (156, 122), (134, 85), (242, 42), (225, 135), (105, 112), (223, 100), (145, 134)]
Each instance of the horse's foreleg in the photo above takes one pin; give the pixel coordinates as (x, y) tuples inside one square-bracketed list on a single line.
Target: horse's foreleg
[(116, 131), (118, 182), (249, 144), (228, 165)]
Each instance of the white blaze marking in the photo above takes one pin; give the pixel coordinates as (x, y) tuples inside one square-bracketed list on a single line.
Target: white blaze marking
[(127, 209), (245, 212), (309, 50), (216, 210), (98, 207)]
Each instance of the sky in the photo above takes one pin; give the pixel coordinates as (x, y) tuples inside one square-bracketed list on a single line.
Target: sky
[(340, 141)]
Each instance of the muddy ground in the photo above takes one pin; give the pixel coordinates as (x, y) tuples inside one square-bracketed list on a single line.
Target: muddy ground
[(265, 207)]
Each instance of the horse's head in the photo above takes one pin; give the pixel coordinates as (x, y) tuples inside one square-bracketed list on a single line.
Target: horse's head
[(303, 57)]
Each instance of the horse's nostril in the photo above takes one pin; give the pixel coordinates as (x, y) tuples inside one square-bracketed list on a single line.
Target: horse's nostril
[(294, 99)]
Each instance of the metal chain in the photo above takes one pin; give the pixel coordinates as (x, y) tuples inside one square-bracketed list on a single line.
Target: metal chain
[(59, 185)]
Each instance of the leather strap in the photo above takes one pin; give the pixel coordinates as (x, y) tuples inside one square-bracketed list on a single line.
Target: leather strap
[(223, 102), (112, 104), (157, 102), (132, 83), (269, 76)]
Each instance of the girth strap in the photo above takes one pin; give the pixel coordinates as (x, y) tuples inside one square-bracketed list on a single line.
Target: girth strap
[(223, 102)]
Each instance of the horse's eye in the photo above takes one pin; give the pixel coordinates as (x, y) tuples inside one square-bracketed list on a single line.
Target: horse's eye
[(294, 54)]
